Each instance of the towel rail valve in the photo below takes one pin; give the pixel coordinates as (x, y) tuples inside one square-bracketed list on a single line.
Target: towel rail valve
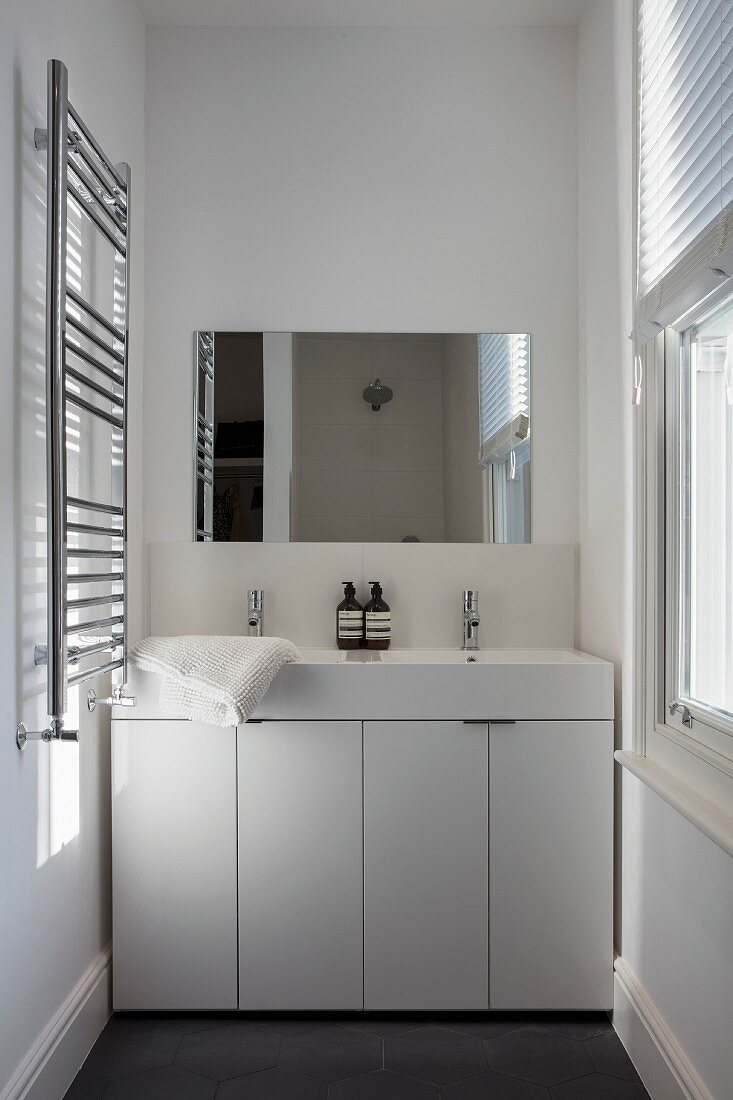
[(54, 732), (116, 699)]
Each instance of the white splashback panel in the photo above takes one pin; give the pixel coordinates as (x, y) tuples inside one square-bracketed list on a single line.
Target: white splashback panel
[(526, 592)]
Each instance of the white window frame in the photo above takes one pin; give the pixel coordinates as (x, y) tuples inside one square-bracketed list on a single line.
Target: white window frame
[(701, 755), (495, 476)]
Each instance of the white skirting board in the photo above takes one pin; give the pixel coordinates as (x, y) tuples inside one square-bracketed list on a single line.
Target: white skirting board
[(58, 1052), (660, 1061)]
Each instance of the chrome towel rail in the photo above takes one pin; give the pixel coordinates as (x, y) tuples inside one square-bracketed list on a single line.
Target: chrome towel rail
[(94, 506), (80, 172)]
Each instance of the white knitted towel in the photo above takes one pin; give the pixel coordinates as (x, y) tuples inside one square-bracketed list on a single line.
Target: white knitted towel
[(217, 679)]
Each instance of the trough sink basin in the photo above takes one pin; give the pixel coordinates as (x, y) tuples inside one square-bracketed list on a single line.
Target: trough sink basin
[(480, 656), (443, 656), (440, 683)]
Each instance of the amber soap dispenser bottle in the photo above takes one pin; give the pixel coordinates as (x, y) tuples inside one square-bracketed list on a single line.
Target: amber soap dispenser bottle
[(349, 619), (377, 620)]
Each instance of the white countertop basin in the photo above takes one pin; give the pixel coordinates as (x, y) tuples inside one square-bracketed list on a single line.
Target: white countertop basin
[(424, 684), (323, 656)]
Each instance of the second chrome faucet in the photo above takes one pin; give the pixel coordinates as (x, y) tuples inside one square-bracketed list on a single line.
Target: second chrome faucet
[(471, 619)]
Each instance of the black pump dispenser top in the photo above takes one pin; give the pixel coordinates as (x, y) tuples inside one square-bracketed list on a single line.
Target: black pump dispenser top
[(376, 590), (349, 590)]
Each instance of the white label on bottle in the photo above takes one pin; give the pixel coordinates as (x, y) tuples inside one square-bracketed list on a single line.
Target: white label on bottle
[(378, 625), (351, 624)]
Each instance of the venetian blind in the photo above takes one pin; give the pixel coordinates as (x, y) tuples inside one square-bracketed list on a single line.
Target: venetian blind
[(685, 151), (503, 385)]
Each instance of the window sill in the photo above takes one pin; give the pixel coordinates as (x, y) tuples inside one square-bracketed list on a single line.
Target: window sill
[(704, 815)]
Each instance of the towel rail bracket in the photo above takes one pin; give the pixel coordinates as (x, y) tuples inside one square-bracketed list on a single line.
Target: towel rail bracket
[(40, 139)]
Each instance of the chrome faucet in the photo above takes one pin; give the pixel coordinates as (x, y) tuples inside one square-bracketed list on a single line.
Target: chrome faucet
[(254, 612), (471, 619)]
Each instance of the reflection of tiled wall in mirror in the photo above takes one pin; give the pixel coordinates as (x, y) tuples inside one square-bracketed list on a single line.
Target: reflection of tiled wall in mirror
[(362, 475)]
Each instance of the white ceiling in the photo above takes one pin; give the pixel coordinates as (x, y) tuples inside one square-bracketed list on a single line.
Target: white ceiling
[(360, 13)]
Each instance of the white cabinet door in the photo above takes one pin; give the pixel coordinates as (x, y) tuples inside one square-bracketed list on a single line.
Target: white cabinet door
[(174, 865), (551, 843), (425, 865), (300, 866)]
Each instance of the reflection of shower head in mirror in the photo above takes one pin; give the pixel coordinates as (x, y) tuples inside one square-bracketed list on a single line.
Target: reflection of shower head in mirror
[(377, 395)]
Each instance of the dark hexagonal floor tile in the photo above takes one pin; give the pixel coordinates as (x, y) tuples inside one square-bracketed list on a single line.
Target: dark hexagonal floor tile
[(132, 1047), (608, 1056), (538, 1056), (489, 1026), (86, 1086), (285, 1026), (134, 1027), (332, 1053), (168, 1083), (597, 1086), (189, 1025), (435, 1055), (383, 1085), (573, 1025), (495, 1086), (228, 1051), (272, 1084), (384, 1026)]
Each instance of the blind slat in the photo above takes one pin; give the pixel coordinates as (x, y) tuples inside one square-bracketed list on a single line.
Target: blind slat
[(503, 385), (685, 132)]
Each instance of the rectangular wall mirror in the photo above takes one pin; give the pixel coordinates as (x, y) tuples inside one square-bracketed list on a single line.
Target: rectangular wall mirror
[(362, 437)]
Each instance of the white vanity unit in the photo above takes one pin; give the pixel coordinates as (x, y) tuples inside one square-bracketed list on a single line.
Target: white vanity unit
[(414, 832)]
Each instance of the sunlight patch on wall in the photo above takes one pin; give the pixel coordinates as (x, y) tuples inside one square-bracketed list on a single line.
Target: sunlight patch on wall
[(58, 791)]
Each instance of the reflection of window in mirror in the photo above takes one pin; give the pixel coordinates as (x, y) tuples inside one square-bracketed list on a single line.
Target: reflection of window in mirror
[(504, 429)]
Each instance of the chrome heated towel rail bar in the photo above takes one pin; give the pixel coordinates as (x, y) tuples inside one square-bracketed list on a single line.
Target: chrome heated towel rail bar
[(87, 370)]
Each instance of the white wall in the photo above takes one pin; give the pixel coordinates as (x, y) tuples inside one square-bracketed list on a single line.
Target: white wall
[(674, 885), (54, 800), (363, 180), (677, 897), (605, 261), (526, 592)]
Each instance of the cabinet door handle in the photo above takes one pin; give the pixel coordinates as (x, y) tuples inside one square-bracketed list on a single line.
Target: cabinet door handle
[(475, 721), (503, 722)]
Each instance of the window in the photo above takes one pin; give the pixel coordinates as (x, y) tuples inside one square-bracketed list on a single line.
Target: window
[(504, 430), (700, 540), (684, 339)]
